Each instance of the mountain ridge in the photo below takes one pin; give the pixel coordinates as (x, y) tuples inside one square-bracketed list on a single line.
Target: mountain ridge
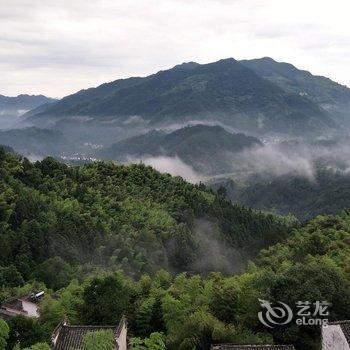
[(198, 146), (225, 90)]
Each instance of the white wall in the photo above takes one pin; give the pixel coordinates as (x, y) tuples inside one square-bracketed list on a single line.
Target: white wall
[(122, 341), (333, 338)]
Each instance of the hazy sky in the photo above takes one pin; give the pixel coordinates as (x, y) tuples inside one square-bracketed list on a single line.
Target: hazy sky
[(56, 47)]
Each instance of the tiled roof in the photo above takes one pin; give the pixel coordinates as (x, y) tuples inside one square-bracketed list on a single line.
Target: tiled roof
[(253, 347), (73, 336), (345, 327)]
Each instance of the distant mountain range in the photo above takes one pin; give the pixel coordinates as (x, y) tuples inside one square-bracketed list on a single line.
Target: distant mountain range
[(11, 108), (34, 141), (256, 96), (208, 149), (23, 102)]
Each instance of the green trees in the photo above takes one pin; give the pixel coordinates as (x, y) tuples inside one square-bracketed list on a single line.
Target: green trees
[(58, 222), (4, 334), (128, 217), (24, 330), (105, 300), (54, 272), (99, 340), (38, 346), (156, 341)]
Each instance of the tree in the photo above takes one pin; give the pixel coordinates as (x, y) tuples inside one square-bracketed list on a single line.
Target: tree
[(26, 331), (38, 346), (4, 334), (99, 340), (105, 300), (10, 277), (54, 272), (156, 341)]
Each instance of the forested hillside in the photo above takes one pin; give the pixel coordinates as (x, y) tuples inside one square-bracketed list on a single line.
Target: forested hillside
[(191, 312), (34, 140), (68, 230), (198, 146), (328, 192), (129, 217)]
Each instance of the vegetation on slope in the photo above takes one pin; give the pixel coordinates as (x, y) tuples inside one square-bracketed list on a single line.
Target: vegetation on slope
[(225, 90), (198, 146), (191, 312), (54, 217), (327, 193)]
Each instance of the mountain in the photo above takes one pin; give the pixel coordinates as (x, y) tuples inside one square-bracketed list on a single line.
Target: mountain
[(23, 102), (330, 95), (11, 108), (225, 91), (208, 149), (34, 140)]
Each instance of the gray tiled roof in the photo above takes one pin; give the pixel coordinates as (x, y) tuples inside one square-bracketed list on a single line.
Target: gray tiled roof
[(252, 347), (73, 336)]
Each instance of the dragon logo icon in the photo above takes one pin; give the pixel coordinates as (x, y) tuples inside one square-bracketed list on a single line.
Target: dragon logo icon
[(274, 315)]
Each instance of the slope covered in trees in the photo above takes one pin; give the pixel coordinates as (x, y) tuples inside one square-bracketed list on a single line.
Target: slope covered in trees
[(191, 312), (327, 193), (55, 218), (198, 146)]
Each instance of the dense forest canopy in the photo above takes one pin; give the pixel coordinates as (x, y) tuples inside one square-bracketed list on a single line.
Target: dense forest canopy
[(327, 192), (131, 217), (70, 230)]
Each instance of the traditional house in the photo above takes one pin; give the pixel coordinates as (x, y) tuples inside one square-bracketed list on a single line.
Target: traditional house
[(67, 337), (251, 347), (26, 306), (336, 335)]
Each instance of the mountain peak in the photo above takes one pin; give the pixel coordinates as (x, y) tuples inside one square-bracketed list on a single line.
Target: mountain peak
[(186, 65)]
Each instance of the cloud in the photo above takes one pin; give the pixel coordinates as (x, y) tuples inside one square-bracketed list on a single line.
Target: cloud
[(78, 44), (172, 165), (272, 160)]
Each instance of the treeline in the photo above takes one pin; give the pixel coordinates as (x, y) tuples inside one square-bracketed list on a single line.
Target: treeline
[(58, 221), (190, 312), (327, 193)]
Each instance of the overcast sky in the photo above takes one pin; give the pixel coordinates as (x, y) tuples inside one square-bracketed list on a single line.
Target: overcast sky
[(56, 47)]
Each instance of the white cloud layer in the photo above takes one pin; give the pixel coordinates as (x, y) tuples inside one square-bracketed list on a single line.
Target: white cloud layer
[(57, 47)]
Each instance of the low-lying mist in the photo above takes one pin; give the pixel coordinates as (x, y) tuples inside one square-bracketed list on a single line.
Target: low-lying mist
[(172, 165)]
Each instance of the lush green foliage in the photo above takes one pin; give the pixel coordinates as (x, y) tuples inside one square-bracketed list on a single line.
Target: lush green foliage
[(194, 312), (155, 341), (99, 340), (58, 222), (55, 218), (39, 346), (4, 334), (327, 193)]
